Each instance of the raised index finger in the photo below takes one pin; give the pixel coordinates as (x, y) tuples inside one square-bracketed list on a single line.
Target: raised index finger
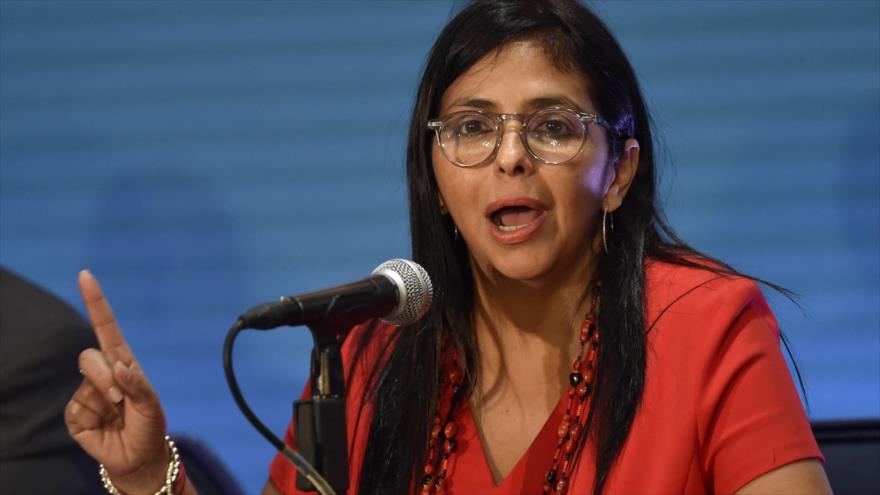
[(109, 335)]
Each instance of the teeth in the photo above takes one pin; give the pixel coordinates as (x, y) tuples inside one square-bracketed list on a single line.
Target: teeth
[(510, 228)]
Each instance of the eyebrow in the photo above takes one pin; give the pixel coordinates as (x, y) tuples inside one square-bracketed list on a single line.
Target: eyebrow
[(540, 102)]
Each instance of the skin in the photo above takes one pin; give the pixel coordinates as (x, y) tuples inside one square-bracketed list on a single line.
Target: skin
[(115, 415)]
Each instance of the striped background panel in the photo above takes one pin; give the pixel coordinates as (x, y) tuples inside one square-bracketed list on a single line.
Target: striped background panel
[(201, 157)]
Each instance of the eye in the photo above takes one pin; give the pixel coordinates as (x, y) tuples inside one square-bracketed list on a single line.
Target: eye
[(469, 127), (553, 128)]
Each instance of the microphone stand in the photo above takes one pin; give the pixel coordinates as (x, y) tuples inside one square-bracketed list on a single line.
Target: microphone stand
[(320, 420)]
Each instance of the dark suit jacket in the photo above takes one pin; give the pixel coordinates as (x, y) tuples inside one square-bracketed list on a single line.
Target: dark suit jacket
[(40, 341)]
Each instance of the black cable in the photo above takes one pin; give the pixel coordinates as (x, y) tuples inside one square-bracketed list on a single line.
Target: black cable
[(293, 456)]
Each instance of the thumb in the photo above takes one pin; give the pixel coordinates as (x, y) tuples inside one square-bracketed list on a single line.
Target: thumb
[(134, 383)]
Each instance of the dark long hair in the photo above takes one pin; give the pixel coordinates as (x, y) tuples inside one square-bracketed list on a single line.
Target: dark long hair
[(404, 392)]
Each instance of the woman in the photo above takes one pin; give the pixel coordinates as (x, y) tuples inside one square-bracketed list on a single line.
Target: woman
[(580, 345)]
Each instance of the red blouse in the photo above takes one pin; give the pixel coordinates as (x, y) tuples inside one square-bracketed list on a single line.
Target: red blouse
[(719, 406)]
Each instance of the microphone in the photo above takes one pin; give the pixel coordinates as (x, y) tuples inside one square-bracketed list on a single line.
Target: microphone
[(398, 291)]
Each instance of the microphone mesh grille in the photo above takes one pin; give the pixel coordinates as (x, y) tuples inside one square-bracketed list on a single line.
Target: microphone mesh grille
[(416, 293)]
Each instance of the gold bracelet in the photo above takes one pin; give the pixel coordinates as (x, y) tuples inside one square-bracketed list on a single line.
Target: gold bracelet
[(170, 475)]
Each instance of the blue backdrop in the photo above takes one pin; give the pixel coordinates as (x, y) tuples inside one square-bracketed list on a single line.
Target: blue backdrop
[(203, 157)]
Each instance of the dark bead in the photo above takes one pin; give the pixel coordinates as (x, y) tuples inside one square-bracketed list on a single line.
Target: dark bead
[(455, 388), (575, 379), (426, 481), (450, 445), (551, 476)]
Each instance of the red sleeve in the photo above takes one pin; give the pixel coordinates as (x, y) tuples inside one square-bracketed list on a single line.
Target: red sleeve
[(750, 414)]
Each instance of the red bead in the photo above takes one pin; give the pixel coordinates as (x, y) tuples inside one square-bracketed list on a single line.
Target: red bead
[(583, 389), (435, 432), (429, 469), (574, 431), (570, 392), (563, 429), (585, 327), (576, 365), (588, 376), (547, 488), (569, 446), (450, 430), (560, 486), (455, 376)]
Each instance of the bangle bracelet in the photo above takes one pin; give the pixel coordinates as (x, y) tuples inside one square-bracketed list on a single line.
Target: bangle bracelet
[(171, 475)]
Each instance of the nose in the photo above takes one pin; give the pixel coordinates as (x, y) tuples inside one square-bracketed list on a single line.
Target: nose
[(512, 157)]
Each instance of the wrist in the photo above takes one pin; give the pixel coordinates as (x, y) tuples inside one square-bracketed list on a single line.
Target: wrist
[(162, 476)]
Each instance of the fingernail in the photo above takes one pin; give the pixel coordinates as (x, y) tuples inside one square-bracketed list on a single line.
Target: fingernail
[(115, 395)]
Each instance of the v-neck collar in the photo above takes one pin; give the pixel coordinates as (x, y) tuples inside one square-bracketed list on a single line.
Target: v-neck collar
[(472, 474)]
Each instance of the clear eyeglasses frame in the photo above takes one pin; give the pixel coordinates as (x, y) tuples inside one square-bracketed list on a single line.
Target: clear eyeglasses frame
[(552, 135)]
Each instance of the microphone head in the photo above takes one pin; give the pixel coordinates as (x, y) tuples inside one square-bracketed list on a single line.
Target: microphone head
[(414, 289)]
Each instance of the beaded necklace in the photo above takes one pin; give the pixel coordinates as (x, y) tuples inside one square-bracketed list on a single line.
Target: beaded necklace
[(442, 443)]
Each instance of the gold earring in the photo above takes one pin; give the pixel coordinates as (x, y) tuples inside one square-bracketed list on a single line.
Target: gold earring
[(611, 225)]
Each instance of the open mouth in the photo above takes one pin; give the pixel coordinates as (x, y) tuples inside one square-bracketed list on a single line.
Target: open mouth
[(513, 218)]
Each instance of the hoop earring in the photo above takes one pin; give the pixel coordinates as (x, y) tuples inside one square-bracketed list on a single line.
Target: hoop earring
[(611, 228)]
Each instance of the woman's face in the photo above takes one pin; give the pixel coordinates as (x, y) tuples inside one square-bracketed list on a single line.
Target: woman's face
[(523, 219)]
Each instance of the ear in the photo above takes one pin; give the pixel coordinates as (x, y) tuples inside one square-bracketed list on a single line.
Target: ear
[(623, 174)]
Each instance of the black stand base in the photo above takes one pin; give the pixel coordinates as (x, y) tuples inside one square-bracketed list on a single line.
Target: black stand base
[(321, 422)]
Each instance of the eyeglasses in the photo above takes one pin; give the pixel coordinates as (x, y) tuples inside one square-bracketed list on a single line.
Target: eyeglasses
[(552, 135)]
